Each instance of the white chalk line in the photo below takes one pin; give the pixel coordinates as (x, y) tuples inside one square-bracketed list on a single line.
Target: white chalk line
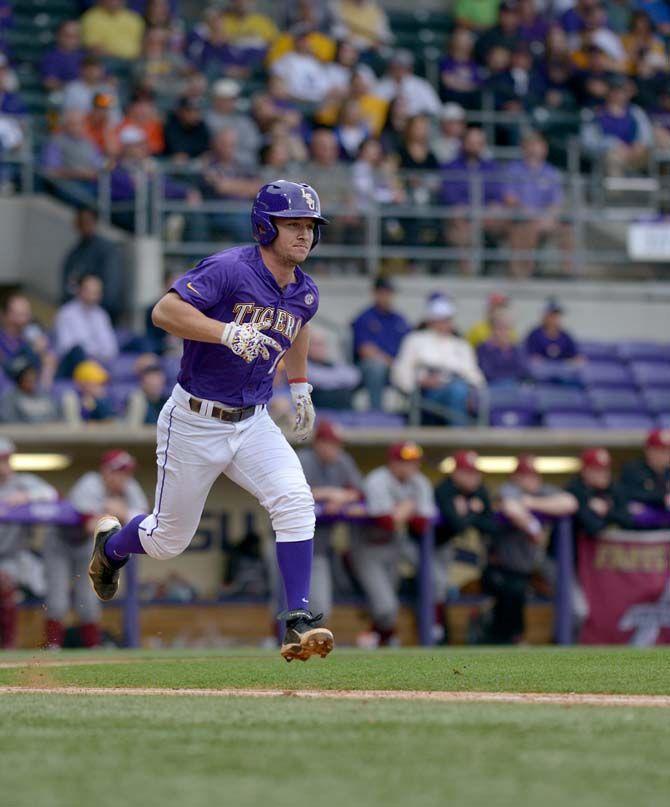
[(547, 698)]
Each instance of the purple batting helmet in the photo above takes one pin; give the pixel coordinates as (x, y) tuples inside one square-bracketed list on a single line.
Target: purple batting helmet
[(285, 200)]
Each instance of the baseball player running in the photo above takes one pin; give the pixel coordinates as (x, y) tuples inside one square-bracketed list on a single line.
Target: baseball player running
[(239, 312)]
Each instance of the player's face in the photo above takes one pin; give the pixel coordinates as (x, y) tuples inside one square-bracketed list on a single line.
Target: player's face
[(294, 239), (598, 478)]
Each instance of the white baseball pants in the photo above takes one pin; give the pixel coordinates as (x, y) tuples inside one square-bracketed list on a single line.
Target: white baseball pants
[(194, 449)]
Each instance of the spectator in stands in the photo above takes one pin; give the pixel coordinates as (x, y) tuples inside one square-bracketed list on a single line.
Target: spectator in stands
[(415, 153), (373, 108), (482, 330), (448, 141), (246, 28), (661, 118), (620, 132), (212, 53), (460, 75), (83, 329), (375, 178), (659, 14), (519, 549), (79, 94), (186, 133), (533, 189), (93, 254), (500, 359), (101, 126), (146, 402), (225, 177), (400, 80), (20, 335), (305, 15), (111, 490), (466, 522), (143, 113), (223, 114), (471, 167), (377, 334), (363, 22), (533, 25), (160, 68), (505, 34), (89, 400), (399, 499), (549, 341), (574, 19), (394, 126), (71, 161), (646, 481), (645, 50), (599, 502), (26, 402), (334, 381), (276, 162), (62, 63), (110, 30), (11, 102), (591, 82), (305, 77), (439, 365), (323, 171), (16, 489), (162, 14), (351, 130), (336, 485)]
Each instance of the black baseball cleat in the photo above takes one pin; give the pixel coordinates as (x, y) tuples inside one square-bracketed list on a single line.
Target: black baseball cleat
[(302, 638), (104, 576)]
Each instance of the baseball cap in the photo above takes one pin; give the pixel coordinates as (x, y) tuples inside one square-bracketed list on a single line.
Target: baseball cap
[(452, 111), (117, 459), (525, 464), (226, 88), (131, 136), (328, 431), (597, 458), (466, 460), (7, 447), (439, 307), (90, 372), (103, 100), (382, 282), (553, 306), (497, 298), (406, 451), (658, 438)]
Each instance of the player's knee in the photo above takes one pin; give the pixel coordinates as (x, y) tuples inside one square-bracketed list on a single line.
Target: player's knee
[(165, 541), (292, 514)]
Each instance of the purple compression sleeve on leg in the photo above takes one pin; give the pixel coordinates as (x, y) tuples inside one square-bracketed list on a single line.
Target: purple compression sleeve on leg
[(295, 564), (125, 542)]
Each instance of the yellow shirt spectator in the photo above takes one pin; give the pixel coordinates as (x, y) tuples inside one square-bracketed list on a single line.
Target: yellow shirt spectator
[(322, 46), (113, 32), (252, 30), (481, 332)]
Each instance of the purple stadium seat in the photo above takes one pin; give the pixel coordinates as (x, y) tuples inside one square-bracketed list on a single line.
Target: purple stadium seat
[(606, 374), (616, 400), (512, 395), (560, 398), (599, 351), (629, 420), (552, 371), (360, 420), (644, 351), (511, 418), (571, 420), (651, 373), (122, 368), (657, 400)]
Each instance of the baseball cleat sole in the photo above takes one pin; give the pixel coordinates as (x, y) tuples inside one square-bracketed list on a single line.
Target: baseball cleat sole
[(104, 578), (315, 642)]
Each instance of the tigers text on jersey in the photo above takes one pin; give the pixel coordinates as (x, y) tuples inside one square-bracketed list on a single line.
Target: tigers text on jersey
[(235, 285)]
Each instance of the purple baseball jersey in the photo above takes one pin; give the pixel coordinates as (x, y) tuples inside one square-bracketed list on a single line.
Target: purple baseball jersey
[(235, 285)]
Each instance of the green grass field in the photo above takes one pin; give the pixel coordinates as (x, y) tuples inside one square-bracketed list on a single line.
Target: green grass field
[(85, 749)]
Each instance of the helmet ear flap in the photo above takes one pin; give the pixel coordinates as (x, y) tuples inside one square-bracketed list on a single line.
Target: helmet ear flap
[(264, 229)]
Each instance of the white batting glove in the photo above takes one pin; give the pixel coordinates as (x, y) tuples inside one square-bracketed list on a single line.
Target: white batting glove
[(247, 342), (304, 410)]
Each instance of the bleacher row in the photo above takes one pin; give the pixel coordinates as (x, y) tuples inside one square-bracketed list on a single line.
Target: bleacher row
[(620, 386)]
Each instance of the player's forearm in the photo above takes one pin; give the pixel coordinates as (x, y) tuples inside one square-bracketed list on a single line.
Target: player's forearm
[(295, 358), (181, 319)]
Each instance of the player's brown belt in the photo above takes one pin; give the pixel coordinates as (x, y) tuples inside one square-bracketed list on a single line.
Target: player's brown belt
[(229, 415)]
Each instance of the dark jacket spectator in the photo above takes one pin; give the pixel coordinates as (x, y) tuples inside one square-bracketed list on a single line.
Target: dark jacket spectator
[(186, 133), (647, 480), (500, 358), (549, 340), (94, 255), (599, 502)]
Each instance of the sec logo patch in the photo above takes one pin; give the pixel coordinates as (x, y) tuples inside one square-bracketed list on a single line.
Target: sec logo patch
[(309, 299)]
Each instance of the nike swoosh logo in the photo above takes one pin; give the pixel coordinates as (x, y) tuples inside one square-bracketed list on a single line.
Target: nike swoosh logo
[(193, 288)]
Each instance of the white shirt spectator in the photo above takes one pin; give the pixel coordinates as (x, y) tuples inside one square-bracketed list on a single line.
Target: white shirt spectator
[(89, 496), (426, 350), (88, 326), (304, 76), (418, 95)]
